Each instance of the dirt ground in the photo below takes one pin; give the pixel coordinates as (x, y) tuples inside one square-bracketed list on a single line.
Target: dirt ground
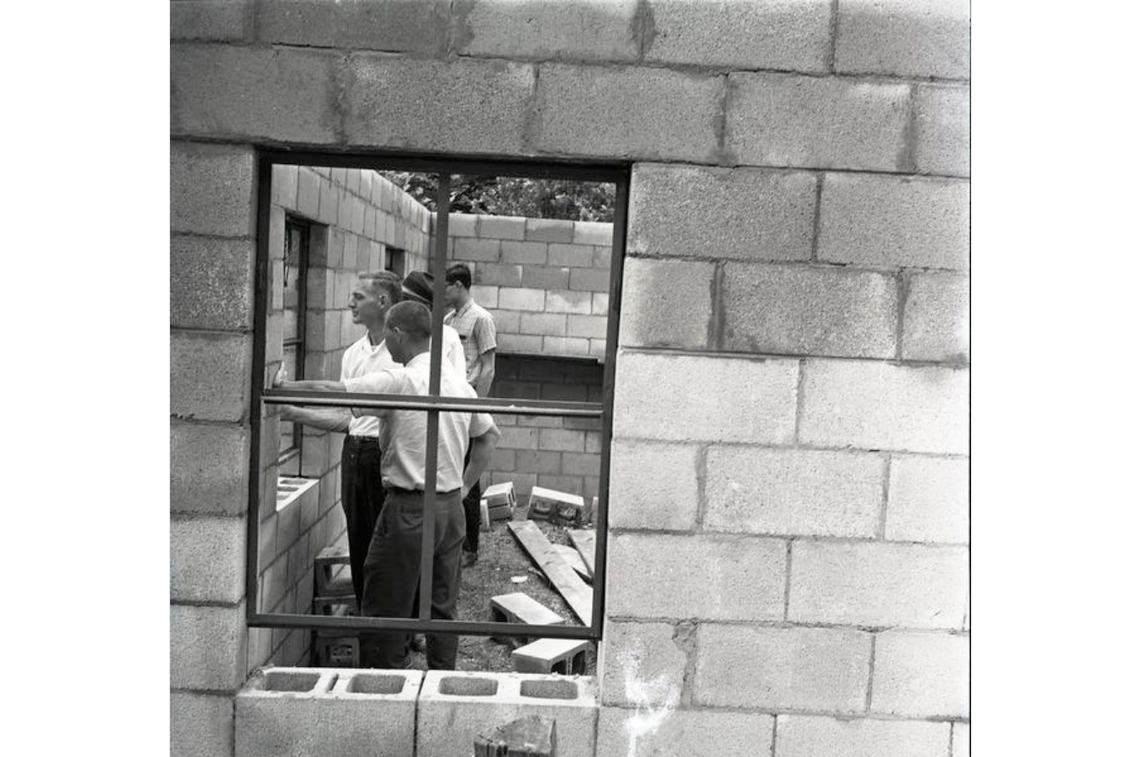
[(502, 558)]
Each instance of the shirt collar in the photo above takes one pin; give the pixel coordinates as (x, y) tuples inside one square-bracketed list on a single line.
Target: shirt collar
[(420, 359), (465, 308)]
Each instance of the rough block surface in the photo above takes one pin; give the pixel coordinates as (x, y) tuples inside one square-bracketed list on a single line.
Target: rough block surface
[(693, 733), (802, 736), (936, 322), (942, 129), (207, 647), (211, 189), (601, 30), (201, 725), (212, 20), (904, 37), (929, 500), (922, 674), (209, 376), (208, 468), (653, 485), (207, 559), (419, 26), (642, 664), (666, 303), (211, 283)]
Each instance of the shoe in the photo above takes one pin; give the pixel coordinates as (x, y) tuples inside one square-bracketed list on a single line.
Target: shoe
[(416, 642), (470, 558)]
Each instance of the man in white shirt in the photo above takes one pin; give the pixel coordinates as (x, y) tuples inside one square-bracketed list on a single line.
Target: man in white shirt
[(361, 495), (392, 568)]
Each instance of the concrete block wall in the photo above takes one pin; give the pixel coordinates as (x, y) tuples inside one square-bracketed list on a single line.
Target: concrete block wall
[(819, 323), (552, 452), (545, 281)]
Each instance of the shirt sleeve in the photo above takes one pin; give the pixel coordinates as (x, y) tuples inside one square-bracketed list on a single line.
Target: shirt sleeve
[(453, 350), (481, 423), (484, 333), (378, 382)]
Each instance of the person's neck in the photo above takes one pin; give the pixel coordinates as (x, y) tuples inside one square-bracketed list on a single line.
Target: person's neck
[(419, 350), (376, 334), (464, 301)]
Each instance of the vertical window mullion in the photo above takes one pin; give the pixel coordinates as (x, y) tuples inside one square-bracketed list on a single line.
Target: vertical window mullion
[(431, 463)]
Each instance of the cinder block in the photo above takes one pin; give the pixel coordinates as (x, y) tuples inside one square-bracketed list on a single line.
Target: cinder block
[(556, 506), (419, 27), (545, 277), (675, 113), (209, 376), (802, 310), (922, 674), (552, 656), (740, 400), (538, 462), (594, 31), (207, 559), (549, 230), (521, 299), (317, 711), (566, 440), (211, 20), (211, 189), (878, 584), (545, 324), (880, 406), (461, 227), (208, 466), (917, 38), (936, 321), (739, 578), (642, 664), (594, 233), (567, 301), (803, 736), (942, 129), (567, 346), (783, 668), (589, 326), (493, 274), (502, 227), (571, 255), (488, 297), (500, 495), (201, 725), (928, 500), (961, 736), (207, 647), (797, 492), (519, 345), (518, 437), (475, 249), (276, 93), (590, 279), (476, 106), (455, 706), (741, 34), (653, 485), (693, 733), (759, 215), (890, 221), (812, 122)]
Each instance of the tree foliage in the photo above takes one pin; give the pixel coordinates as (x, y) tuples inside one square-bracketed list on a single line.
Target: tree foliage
[(514, 196)]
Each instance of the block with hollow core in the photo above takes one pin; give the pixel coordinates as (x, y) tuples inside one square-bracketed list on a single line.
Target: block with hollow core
[(455, 707), (521, 608), (555, 506), (333, 649), (561, 656), (500, 495), (332, 580), (532, 736)]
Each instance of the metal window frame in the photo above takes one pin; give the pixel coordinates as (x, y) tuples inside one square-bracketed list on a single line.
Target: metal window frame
[(446, 168), (296, 451)]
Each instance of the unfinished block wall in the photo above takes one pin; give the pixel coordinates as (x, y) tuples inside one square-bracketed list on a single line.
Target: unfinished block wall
[(535, 450), (546, 281), (787, 558)]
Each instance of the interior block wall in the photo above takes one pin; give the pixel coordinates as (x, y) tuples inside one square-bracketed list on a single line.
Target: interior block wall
[(796, 288)]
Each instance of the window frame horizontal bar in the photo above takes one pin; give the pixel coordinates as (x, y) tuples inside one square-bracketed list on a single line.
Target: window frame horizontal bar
[(380, 160), (460, 627), (503, 406)]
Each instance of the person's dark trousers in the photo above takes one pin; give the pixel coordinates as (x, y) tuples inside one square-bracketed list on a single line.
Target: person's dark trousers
[(392, 575), (471, 511), (361, 496)]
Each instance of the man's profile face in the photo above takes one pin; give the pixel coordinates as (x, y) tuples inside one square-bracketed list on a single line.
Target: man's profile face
[(365, 304), (452, 294)]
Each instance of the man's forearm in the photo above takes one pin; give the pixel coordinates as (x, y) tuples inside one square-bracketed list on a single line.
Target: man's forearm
[(484, 374), (326, 419), (482, 448), (312, 385)]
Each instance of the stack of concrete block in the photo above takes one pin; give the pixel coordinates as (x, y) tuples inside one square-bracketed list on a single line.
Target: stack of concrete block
[(332, 591), (455, 707), (521, 608), (556, 507), (498, 503), (346, 713)]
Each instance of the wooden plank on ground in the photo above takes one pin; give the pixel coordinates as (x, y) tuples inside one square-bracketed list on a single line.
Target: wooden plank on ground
[(573, 589), (583, 541), (570, 555)]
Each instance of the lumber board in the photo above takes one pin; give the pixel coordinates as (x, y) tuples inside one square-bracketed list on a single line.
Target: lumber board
[(562, 577), (583, 541), (570, 555)]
